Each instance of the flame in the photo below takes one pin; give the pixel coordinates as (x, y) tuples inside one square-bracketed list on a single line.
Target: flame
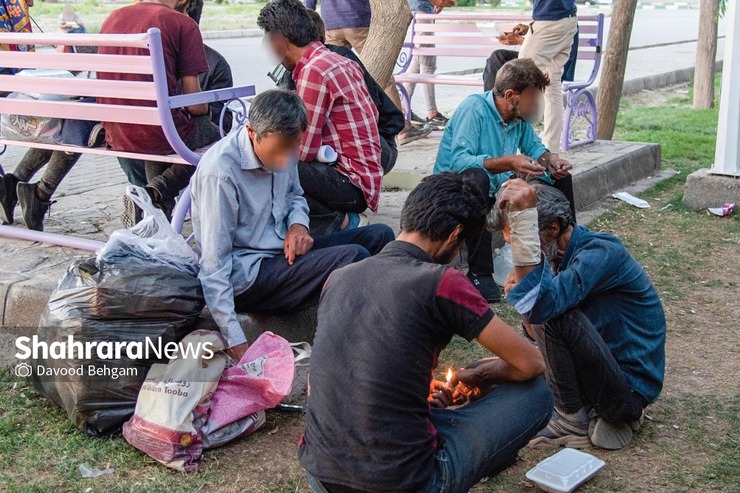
[(449, 375)]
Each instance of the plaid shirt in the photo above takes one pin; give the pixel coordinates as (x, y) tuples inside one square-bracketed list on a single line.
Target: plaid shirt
[(342, 115)]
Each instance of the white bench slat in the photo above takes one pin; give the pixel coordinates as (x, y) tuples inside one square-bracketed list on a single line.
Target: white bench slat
[(79, 87), (447, 80), (455, 40), (71, 110), (461, 52), (121, 64), (102, 151), (446, 28)]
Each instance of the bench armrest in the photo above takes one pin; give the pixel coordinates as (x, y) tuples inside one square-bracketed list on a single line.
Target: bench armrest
[(216, 95)]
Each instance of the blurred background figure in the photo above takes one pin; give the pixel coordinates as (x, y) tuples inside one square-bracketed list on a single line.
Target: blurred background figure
[(70, 21)]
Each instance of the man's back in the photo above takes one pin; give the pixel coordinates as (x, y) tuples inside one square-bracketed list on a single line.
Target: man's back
[(377, 342), (184, 55), (343, 14)]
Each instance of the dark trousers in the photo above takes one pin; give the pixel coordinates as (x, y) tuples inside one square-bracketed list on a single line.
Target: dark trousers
[(330, 196), (170, 179), (283, 288), (388, 153), (481, 439), (480, 248), (582, 372), (60, 163)]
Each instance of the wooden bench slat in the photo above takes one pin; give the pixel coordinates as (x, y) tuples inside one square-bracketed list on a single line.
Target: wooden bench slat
[(455, 40), (122, 64), (65, 39), (79, 87), (102, 151), (72, 110)]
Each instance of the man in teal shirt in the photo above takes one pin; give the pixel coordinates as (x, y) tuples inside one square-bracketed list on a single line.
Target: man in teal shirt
[(489, 139)]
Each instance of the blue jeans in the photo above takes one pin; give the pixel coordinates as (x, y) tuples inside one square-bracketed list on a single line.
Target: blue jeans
[(482, 439), (284, 288)]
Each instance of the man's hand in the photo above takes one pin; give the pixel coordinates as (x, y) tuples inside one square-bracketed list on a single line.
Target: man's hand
[(236, 352), (297, 242), (525, 165), (520, 29), (472, 382), (517, 195), (559, 168), (440, 395), (439, 5), (510, 282), (511, 39)]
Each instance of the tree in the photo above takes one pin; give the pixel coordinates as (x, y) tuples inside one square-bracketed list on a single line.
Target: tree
[(706, 53), (615, 61), (388, 24)]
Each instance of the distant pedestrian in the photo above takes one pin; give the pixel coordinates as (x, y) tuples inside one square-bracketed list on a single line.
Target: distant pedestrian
[(70, 21), (548, 44), (426, 64)]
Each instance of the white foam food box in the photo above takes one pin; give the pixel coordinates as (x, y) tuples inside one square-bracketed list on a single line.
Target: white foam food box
[(565, 471)]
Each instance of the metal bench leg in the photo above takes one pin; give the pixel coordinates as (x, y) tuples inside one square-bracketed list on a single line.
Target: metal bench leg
[(581, 105), (405, 100), (181, 210)]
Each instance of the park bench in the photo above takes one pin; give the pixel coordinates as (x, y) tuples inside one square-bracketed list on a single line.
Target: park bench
[(151, 64), (461, 35)]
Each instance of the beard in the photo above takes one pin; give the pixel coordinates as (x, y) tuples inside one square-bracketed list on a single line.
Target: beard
[(550, 249)]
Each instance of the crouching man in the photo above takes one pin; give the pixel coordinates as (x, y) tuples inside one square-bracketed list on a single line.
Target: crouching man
[(251, 222), (375, 418), (594, 313)]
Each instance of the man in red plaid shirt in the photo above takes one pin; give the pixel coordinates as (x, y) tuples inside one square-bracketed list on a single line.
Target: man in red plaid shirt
[(341, 115)]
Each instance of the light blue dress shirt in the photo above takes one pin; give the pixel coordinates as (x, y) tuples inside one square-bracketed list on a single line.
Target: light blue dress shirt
[(477, 132), (241, 213)]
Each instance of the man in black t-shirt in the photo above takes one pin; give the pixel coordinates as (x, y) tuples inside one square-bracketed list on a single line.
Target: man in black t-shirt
[(376, 421)]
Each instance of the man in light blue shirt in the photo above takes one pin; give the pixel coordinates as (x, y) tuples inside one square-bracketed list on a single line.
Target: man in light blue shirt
[(251, 222), (489, 138)]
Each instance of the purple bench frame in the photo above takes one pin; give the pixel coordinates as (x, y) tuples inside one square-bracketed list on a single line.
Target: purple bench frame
[(156, 90), (580, 102)]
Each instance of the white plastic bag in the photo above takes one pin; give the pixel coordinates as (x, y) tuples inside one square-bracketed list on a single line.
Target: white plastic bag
[(502, 264), (152, 238)]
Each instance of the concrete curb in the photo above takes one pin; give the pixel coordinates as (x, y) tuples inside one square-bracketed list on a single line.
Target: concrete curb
[(238, 33)]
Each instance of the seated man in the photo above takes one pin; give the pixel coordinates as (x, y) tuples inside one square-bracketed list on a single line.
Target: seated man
[(251, 222), (183, 62), (70, 21), (482, 140), (374, 417), (218, 77), (390, 118), (341, 115), (594, 313), (499, 57)]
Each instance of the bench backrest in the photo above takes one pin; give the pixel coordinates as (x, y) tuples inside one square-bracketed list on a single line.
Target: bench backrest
[(467, 35), (150, 64)]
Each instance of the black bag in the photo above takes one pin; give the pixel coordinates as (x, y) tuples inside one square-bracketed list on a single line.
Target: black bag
[(129, 298)]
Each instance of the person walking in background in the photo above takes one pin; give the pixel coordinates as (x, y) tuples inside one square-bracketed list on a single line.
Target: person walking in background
[(426, 64), (549, 44), (70, 21)]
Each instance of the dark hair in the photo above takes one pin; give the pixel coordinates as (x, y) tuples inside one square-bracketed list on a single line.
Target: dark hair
[(517, 75), (552, 207), (442, 202), (194, 9), (318, 23), (278, 111), (289, 18)]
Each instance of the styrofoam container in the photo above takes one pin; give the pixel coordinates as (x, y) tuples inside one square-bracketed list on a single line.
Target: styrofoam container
[(565, 471)]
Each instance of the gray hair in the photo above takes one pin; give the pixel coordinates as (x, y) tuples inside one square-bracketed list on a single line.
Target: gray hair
[(552, 207), (518, 75), (278, 111)]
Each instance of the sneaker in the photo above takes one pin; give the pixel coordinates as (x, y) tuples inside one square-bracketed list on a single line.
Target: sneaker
[(438, 123), (613, 436), (8, 197), (131, 214), (32, 206), (561, 431), (414, 133), (487, 287), (417, 120)]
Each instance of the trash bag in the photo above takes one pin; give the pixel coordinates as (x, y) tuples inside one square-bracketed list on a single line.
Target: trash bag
[(128, 305)]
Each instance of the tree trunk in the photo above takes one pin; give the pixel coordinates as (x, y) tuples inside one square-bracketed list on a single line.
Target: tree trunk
[(615, 61), (706, 53), (388, 24)]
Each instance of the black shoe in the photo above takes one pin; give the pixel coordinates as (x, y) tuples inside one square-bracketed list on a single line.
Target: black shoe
[(8, 197), (416, 119), (32, 206), (486, 286), (131, 214), (438, 123)]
